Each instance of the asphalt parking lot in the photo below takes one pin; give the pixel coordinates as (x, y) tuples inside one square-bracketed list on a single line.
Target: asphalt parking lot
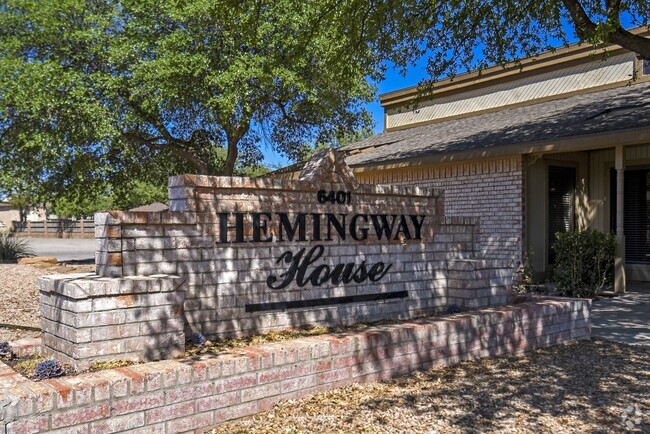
[(64, 249)]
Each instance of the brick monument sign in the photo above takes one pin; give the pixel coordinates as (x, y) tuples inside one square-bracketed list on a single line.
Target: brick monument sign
[(240, 256)]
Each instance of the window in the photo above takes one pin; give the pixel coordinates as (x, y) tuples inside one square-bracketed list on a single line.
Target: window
[(636, 221), (561, 198)]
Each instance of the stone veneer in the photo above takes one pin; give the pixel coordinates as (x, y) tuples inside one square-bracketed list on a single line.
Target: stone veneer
[(193, 395)]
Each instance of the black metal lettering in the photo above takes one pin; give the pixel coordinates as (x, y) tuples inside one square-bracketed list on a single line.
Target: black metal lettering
[(417, 225), (354, 228), (223, 227), (316, 227), (383, 227), (314, 276), (378, 271), (312, 256), (339, 225), (335, 274), (288, 275), (261, 227), (285, 226), (299, 270), (402, 228), (361, 273)]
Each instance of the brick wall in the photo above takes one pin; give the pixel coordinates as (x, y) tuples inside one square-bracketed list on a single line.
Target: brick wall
[(194, 395), (491, 190)]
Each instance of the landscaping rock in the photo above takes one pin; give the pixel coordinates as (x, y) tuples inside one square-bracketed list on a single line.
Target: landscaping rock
[(37, 260)]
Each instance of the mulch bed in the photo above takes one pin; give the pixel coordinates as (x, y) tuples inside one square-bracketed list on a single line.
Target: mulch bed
[(19, 304), (587, 386)]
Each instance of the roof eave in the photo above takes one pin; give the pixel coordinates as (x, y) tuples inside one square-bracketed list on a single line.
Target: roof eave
[(571, 53), (636, 136)]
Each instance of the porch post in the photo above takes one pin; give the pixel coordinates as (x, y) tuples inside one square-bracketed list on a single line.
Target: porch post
[(619, 262)]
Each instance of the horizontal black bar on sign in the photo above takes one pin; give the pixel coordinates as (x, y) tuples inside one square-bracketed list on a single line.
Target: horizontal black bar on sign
[(316, 302)]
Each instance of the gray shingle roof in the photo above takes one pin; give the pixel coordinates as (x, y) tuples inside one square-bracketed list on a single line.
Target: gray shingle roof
[(621, 108)]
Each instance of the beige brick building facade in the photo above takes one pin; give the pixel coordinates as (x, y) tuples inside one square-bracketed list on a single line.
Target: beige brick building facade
[(491, 189), (530, 150)]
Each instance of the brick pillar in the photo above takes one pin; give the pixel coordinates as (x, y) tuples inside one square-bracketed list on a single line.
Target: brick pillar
[(88, 318)]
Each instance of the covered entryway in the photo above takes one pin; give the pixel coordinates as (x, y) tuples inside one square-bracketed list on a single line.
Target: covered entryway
[(578, 190), (636, 220)]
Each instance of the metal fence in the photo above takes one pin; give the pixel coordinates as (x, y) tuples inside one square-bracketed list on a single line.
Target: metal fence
[(60, 228)]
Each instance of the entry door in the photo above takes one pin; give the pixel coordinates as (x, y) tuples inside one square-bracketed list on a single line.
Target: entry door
[(561, 200), (636, 220)]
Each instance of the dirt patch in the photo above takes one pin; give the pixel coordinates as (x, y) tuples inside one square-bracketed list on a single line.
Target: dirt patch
[(19, 304), (586, 386)]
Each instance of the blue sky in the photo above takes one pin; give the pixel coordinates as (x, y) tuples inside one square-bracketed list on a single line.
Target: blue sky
[(393, 81), (414, 74)]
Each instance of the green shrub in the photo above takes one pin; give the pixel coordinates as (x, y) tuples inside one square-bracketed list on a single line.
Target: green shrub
[(584, 262), (14, 248)]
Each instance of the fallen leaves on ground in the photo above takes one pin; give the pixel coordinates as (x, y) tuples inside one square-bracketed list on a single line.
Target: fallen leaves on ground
[(577, 387)]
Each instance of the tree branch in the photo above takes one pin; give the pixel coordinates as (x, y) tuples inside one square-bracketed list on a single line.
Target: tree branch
[(587, 29), (171, 143), (286, 115), (153, 143), (636, 43)]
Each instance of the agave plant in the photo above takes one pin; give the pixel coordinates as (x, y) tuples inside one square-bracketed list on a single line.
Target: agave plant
[(49, 369), (6, 353), (197, 339), (12, 248)]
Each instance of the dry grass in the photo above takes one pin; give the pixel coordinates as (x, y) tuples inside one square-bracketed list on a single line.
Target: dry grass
[(587, 386)]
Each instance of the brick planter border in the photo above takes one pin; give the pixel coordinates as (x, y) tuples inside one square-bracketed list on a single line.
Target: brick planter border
[(193, 395)]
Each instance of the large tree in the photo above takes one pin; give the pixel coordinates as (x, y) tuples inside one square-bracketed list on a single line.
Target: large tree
[(96, 91), (457, 36)]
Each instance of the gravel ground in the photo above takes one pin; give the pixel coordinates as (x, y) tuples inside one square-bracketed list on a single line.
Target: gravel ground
[(588, 386), (19, 296)]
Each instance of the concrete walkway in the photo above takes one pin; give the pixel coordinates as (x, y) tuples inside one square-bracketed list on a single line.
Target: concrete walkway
[(624, 319)]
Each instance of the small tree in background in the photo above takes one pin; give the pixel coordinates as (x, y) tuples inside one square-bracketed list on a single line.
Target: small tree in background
[(584, 262), (111, 91)]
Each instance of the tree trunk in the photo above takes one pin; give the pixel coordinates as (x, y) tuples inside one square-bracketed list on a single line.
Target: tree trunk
[(231, 159), (234, 136)]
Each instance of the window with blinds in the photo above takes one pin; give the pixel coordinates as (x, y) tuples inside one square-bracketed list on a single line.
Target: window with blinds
[(561, 199), (636, 220)]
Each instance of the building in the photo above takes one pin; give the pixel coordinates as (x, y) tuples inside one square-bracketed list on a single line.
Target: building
[(7, 215), (558, 142), (10, 214)]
